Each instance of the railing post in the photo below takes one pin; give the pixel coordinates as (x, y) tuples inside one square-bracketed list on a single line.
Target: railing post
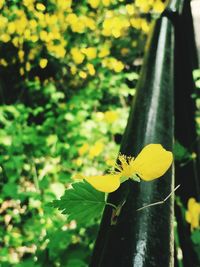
[(144, 238), (185, 60)]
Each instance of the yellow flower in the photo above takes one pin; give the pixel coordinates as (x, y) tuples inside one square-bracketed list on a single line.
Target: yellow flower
[(79, 161), (151, 163), (104, 51), (43, 35), (113, 64), (143, 5), (5, 37), (136, 23), (94, 3), (115, 26), (130, 9), (158, 6), (110, 116), (192, 215), (73, 70), (144, 26), (21, 71), (43, 63), (11, 27), (118, 66), (3, 62), (83, 149), (124, 51), (104, 183), (77, 56), (106, 2), (21, 55), (96, 149), (110, 162), (82, 74), (28, 66), (90, 52), (40, 7), (2, 3), (91, 69)]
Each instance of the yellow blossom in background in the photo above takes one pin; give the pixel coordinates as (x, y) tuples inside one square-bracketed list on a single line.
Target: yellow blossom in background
[(110, 116), (94, 3), (3, 62), (143, 5), (75, 23), (110, 162), (90, 52), (96, 149), (151, 163), (104, 51), (79, 162), (64, 5), (2, 3), (77, 55), (57, 50), (21, 55), (5, 38), (48, 30), (158, 6), (91, 69), (28, 66), (145, 26), (21, 71), (106, 2), (83, 149), (40, 7), (82, 74), (125, 51), (80, 23), (28, 2), (136, 23), (43, 63), (115, 26), (192, 215), (117, 65), (73, 70), (113, 64), (88, 22), (11, 27), (130, 9)]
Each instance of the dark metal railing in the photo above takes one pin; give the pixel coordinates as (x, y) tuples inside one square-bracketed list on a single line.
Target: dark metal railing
[(145, 238)]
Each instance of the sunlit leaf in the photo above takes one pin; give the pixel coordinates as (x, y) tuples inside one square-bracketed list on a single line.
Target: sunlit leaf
[(82, 203)]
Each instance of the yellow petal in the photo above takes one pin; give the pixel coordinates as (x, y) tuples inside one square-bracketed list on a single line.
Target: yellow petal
[(191, 202), (188, 217), (104, 183), (152, 162)]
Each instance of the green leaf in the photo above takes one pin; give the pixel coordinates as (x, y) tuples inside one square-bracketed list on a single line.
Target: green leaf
[(59, 241), (82, 203), (180, 152), (76, 263), (196, 237)]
